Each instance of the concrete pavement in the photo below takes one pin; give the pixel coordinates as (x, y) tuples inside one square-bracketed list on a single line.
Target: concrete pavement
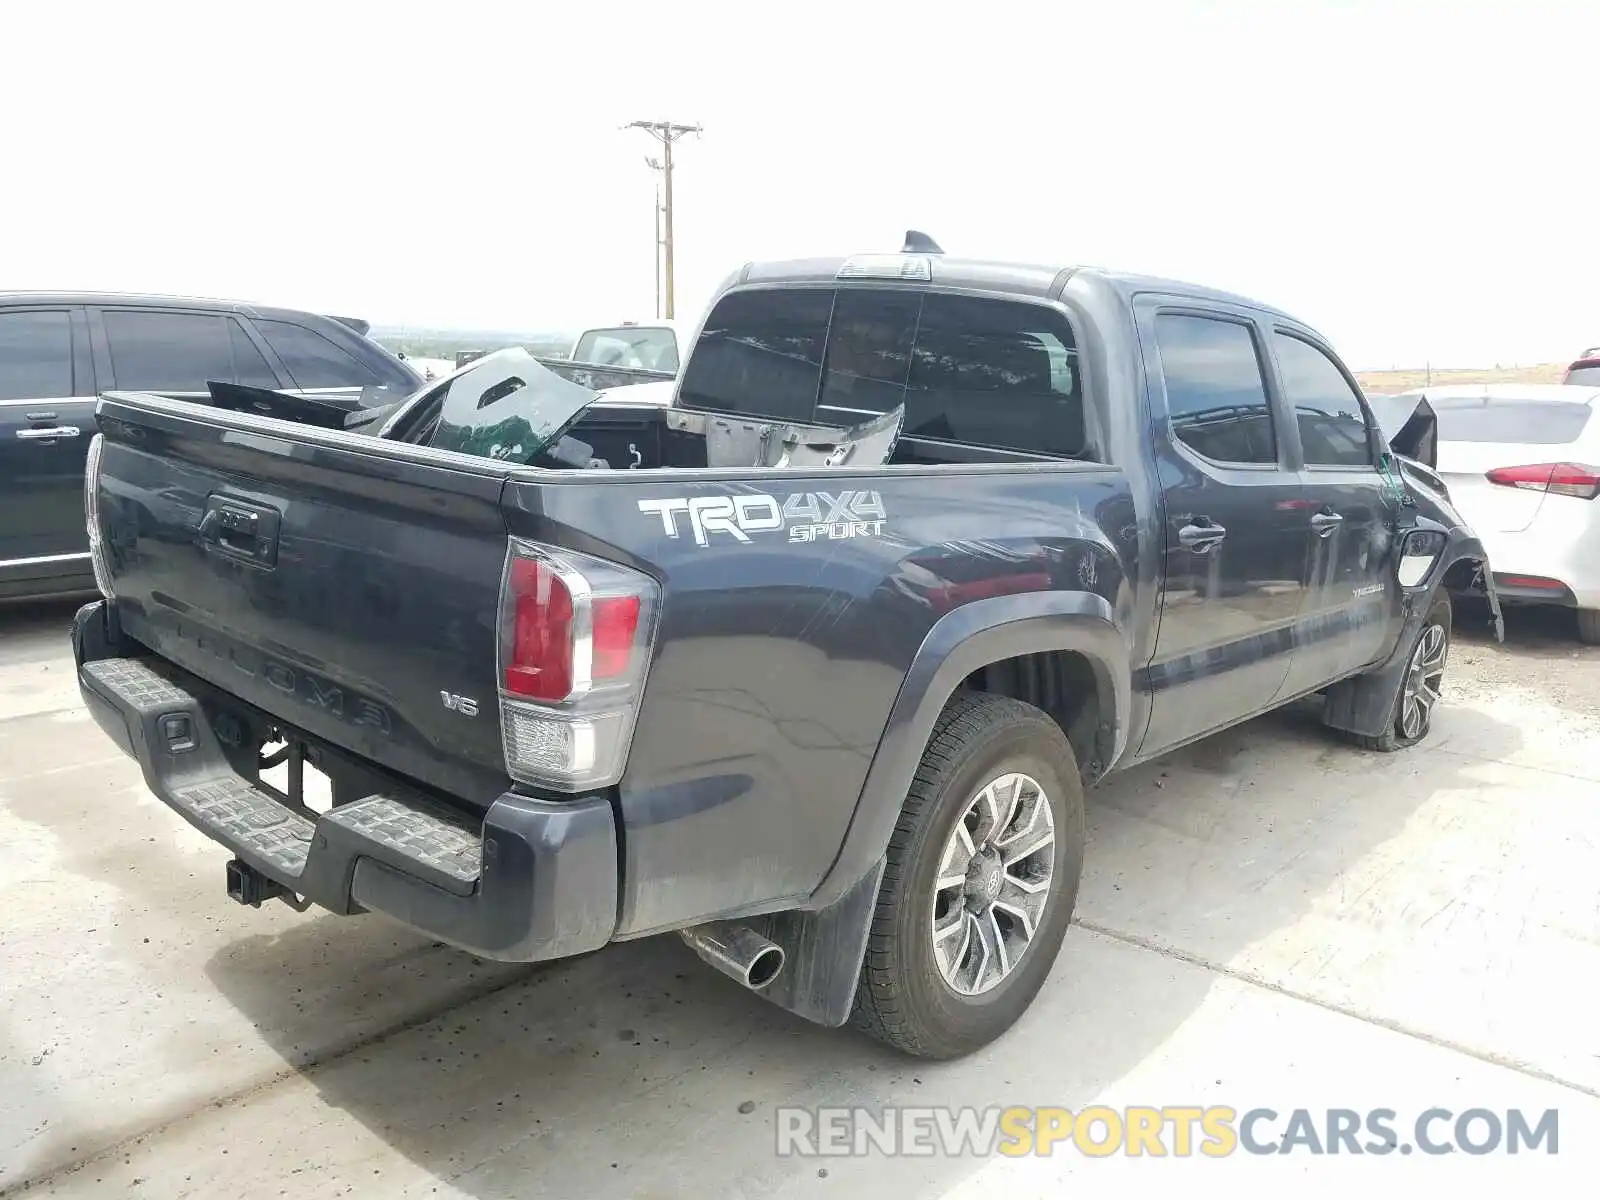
[(1267, 919)]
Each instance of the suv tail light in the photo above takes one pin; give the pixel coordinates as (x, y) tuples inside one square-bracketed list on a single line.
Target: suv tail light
[(91, 515), (1560, 479), (575, 640)]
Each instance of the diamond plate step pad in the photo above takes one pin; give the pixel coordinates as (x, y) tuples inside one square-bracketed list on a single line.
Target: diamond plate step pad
[(419, 833)]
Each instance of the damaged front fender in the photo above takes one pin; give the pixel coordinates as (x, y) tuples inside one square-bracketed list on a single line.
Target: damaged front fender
[(1455, 562)]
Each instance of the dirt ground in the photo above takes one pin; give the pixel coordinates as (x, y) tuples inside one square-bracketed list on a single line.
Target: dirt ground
[(1382, 383), (1268, 918)]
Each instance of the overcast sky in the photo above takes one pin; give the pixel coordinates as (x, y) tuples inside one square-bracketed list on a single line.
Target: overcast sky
[(1419, 180)]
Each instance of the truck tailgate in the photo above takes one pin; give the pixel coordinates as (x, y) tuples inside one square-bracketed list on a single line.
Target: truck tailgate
[(294, 573)]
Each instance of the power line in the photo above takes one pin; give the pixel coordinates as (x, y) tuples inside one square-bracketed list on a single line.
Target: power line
[(665, 132)]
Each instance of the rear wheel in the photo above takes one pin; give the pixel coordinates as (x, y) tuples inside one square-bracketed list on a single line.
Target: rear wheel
[(1412, 717), (981, 881), (1589, 626)]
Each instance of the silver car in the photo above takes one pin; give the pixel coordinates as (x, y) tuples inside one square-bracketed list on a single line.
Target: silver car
[(1522, 462)]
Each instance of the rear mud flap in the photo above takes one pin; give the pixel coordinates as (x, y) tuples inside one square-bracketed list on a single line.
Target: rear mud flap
[(823, 952)]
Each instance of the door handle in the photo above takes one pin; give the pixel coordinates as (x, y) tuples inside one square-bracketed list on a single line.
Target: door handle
[(57, 431), (1202, 535), (1325, 523)]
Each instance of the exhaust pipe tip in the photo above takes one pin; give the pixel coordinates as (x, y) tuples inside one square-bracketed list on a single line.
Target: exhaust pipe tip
[(764, 968), (738, 951)]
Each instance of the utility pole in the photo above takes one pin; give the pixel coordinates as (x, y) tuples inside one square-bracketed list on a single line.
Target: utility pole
[(656, 252), (666, 132)]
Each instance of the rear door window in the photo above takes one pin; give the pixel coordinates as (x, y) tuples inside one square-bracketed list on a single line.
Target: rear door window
[(35, 355), (312, 360), (1216, 393), (1529, 422), (182, 352), (169, 351)]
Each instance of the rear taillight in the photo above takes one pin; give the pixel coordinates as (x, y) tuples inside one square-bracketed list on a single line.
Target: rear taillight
[(575, 636), (1538, 583), (91, 515), (1561, 479)]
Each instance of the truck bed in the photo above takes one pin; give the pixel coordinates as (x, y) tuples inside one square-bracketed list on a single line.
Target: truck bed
[(350, 589)]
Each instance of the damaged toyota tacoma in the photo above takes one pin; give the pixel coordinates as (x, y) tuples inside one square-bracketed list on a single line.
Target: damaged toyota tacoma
[(810, 667)]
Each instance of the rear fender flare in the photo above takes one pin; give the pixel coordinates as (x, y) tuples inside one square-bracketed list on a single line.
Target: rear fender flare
[(973, 636)]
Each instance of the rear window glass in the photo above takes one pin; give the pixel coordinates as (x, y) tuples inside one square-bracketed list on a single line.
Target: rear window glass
[(969, 370), (650, 349), (1529, 422), (1587, 376), (760, 353)]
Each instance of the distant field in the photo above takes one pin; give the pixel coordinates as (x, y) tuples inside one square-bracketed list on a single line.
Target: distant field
[(1386, 382)]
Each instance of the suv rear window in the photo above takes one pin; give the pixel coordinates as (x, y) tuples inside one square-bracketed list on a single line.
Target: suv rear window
[(972, 370), (1529, 422), (312, 360)]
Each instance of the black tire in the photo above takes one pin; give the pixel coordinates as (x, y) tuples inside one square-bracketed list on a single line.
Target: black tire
[(902, 997), (1589, 626), (1394, 736)]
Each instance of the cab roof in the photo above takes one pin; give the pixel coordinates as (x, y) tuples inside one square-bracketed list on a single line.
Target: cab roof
[(159, 300), (1033, 280)]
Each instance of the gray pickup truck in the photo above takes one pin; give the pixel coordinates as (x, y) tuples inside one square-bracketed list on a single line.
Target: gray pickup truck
[(811, 667)]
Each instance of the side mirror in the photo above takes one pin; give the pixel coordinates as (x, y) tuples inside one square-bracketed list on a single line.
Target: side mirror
[(1394, 483), (1419, 551)]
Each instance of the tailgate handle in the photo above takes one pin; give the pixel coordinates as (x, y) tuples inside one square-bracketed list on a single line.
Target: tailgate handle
[(240, 529)]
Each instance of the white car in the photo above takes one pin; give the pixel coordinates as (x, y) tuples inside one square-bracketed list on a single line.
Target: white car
[(1522, 462), (655, 393), (1585, 369)]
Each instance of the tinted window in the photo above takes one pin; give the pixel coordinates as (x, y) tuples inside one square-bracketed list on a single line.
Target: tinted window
[(35, 355), (760, 353), (1531, 422), (653, 349), (1587, 375), (314, 361), (1215, 393), (1333, 430), (869, 355), (976, 371), (249, 367), (169, 351), (995, 373)]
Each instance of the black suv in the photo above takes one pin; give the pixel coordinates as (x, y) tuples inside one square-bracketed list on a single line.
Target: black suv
[(59, 350)]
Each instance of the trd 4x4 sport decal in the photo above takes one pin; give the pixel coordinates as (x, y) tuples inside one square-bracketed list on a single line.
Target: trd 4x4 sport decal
[(808, 516)]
